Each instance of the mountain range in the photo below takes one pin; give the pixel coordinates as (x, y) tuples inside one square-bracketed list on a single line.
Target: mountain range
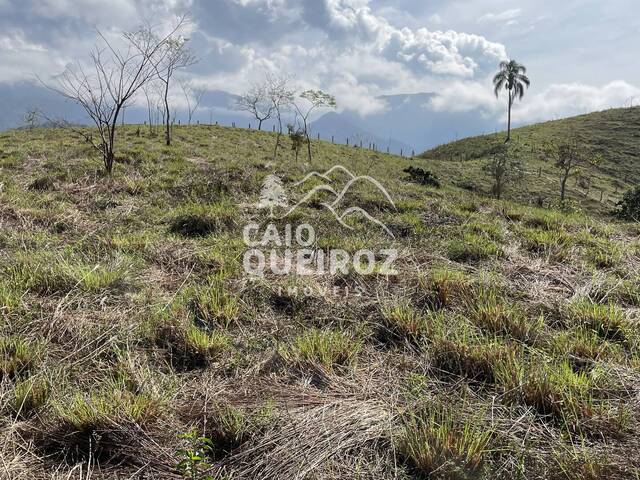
[(406, 123)]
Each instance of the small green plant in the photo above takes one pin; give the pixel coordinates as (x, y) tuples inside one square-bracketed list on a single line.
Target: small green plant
[(212, 305), (17, 357), (192, 460), (29, 396), (403, 322), (607, 321), (473, 247), (444, 286), (439, 442), (496, 316), (327, 348)]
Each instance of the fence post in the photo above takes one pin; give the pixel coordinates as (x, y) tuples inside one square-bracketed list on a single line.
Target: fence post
[(401, 153), (318, 135), (347, 142), (331, 138)]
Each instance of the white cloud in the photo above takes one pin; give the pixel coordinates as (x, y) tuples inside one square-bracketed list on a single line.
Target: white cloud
[(22, 59), (563, 100), (507, 17), (466, 97), (556, 101)]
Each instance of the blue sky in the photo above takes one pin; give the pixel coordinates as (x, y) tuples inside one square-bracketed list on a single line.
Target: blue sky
[(582, 55)]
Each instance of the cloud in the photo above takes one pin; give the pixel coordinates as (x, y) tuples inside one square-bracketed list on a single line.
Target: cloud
[(344, 46), (556, 101), (466, 97), (565, 100), (508, 17)]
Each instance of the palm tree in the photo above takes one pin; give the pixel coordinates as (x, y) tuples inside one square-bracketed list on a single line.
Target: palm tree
[(512, 76)]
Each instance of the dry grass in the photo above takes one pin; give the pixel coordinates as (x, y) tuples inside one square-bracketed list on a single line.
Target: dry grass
[(127, 321)]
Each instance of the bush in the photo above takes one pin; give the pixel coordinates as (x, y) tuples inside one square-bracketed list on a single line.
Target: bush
[(629, 207), (42, 184), (423, 177)]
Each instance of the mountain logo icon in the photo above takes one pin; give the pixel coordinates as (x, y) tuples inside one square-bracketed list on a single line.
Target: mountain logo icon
[(337, 210)]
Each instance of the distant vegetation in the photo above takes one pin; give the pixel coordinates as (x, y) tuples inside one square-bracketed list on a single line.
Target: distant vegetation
[(588, 161)]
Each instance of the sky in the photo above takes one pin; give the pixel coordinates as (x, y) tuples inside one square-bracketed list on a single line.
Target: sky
[(581, 55)]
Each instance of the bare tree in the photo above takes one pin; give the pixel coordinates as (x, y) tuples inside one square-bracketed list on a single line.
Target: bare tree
[(193, 96), (110, 82), (175, 54), (504, 167), (257, 101), (31, 117), (312, 100), (281, 96), (152, 102), (569, 157)]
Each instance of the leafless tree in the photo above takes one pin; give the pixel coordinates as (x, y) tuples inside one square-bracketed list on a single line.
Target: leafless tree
[(193, 96), (281, 96), (569, 158), (31, 117), (109, 83), (257, 101), (175, 54), (148, 91), (311, 101)]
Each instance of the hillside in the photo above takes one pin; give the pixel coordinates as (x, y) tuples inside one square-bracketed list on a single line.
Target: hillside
[(614, 134), (505, 347)]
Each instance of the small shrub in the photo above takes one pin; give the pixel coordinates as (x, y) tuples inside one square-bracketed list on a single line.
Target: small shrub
[(42, 184), (192, 459), (438, 442), (629, 207), (422, 177)]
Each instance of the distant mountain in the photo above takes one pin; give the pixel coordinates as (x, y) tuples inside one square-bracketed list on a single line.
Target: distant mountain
[(410, 120), (337, 125)]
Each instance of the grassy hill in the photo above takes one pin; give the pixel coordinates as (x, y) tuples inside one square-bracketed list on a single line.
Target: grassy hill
[(614, 134), (505, 347)]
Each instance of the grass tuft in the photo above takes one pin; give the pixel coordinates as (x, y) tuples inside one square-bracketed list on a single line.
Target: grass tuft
[(438, 442)]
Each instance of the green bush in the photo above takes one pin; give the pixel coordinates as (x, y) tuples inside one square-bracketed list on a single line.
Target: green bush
[(629, 207)]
